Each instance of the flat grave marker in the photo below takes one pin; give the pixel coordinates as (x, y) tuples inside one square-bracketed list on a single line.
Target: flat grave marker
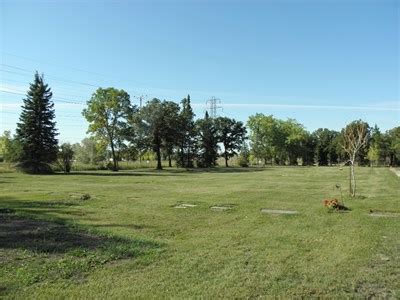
[(185, 205), (279, 211)]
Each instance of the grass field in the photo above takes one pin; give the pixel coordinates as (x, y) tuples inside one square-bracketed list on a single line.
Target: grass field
[(128, 240)]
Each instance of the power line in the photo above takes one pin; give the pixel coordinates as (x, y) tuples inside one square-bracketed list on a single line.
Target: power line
[(59, 79), (57, 115), (54, 87), (72, 68), (53, 77), (64, 100), (58, 65)]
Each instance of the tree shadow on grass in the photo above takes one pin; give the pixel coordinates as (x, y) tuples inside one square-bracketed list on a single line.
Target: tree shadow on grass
[(120, 173), (32, 225), (42, 209), (165, 171), (25, 233), (53, 251), (227, 170), (42, 236)]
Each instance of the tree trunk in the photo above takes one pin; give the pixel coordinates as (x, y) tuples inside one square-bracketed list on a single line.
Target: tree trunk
[(169, 160), (188, 162), (158, 152), (114, 158), (226, 159), (352, 180)]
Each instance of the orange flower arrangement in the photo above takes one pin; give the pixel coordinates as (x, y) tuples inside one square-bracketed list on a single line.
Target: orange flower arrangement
[(334, 204)]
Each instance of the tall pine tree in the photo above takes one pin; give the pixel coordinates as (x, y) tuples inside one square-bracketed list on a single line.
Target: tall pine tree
[(36, 130)]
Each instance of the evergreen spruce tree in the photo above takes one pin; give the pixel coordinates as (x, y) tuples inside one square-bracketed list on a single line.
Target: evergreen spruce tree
[(36, 130)]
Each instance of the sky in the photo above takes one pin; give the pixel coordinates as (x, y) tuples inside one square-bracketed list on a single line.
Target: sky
[(323, 63)]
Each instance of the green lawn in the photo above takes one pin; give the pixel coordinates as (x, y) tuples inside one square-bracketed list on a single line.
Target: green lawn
[(128, 240)]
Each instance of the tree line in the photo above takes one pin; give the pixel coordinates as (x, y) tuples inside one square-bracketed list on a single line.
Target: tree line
[(283, 142), (122, 131)]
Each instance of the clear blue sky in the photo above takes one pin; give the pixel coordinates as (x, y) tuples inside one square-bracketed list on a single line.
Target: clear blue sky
[(323, 63)]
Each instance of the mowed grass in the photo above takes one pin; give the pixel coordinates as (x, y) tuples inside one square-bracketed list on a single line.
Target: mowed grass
[(128, 240)]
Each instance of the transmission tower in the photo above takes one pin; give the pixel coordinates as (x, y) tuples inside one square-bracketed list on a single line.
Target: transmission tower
[(141, 98), (212, 105)]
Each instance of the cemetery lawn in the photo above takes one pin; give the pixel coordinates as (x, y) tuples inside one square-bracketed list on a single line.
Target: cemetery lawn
[(128, 240)]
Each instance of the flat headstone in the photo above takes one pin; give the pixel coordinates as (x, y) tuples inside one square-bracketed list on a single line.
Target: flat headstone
[(384, 257), (185, 205), (384, 214), (279, 211), (220, 208), (395, 171)]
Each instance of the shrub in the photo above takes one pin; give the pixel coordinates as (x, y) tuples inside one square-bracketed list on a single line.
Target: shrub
[(34, 167), (85, 197)]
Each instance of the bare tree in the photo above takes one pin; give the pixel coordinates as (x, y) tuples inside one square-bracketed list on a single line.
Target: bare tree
[(355, 137)]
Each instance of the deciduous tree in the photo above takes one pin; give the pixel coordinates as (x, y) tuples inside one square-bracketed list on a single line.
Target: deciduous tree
[(231, 134), (186, 135), (208, 142), (107, 114), (355, 137), (157, 119), (65, 156)]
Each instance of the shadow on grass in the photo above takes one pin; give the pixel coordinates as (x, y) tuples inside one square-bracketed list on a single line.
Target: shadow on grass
[(58, 250), (42, 209), (165, 171), (120, 173), (28, 225), (227, 170), (128, 226), (20, 232)]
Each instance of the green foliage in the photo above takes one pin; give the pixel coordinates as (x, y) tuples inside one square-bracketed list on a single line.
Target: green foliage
[(231, 134), (10, 148), (326, 149), (65, 156), (90, 150), (36, 132), (295, 135), (171, 129), (279, 141), (373, 154), (85, 196), (107, 114), (308, 153), (186, 135), (4, 141), (208, 142), (157, 120), (244, 155), (264, 137), (393, 145)]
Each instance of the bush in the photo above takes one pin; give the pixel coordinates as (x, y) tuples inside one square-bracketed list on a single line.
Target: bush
[(243, 162), (32, 167), (85, 197), (244, 156)]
